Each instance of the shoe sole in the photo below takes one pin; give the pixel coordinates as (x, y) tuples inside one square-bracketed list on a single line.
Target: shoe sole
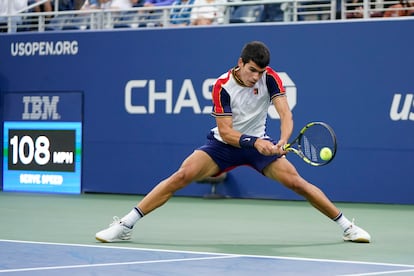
[(109, 241), (101, 240), (361, 240)]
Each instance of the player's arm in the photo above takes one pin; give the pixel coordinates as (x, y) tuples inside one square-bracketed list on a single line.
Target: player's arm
[(266, 147), (227, 133), (286, 119), (234, 137)]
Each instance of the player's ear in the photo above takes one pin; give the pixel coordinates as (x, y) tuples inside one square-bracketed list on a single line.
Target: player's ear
[(240, 62)]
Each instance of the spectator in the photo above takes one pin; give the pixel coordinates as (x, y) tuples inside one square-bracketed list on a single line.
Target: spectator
[(66, 5), (139, 3), (122, 4), (180, 16), (154, 17), (272, 13), (63, 5), (5, 9), (210, 13), (96, 4), (83, 20), (45, 7), (158, 3), (404, 8), (204, 15), (91, 5), (357, 10), (78, 4)]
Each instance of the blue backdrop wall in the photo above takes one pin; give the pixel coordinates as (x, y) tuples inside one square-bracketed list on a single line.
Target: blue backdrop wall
[(146, 100)]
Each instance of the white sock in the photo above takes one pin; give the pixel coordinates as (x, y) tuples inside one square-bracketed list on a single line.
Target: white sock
[(342, 221), (132, 217)]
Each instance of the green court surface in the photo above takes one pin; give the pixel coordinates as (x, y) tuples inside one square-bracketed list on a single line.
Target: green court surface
[(235, 226)]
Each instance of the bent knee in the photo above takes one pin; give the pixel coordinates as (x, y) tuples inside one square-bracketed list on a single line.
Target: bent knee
[(182, 177)]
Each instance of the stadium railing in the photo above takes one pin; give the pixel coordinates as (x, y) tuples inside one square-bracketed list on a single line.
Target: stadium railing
[(293, 11)]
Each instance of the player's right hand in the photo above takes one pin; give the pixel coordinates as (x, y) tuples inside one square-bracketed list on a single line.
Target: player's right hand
[(266, 147)]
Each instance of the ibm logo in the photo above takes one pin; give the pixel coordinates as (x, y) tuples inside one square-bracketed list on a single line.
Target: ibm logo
[(40, 108)]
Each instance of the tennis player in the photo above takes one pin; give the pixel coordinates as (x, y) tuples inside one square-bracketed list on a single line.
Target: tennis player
[(241, 98)]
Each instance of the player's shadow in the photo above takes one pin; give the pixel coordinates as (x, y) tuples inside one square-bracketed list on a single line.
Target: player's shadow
[(233, 248)]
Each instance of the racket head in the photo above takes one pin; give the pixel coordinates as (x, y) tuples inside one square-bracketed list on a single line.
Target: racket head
[(312, 139)]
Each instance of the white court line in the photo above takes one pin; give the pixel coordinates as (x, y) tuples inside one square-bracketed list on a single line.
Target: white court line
[(380, 273), (101, 245), (114, 264), (330, 261), (216, 256)]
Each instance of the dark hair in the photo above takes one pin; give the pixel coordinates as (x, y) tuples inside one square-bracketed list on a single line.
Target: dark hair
[(257, 52)]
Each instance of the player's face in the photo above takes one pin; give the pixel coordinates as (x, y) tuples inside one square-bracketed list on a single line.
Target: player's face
[(250, 72)]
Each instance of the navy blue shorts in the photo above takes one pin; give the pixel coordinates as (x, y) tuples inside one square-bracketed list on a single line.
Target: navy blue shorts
[(228, 157)]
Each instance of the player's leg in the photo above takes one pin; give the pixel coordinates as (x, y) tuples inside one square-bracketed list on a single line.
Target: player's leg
[(197, 166), (284, 172)]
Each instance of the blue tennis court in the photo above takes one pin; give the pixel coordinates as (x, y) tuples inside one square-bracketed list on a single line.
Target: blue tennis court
[(35, 258)]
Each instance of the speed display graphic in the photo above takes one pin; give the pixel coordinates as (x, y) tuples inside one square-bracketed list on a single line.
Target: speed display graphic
[(37, 150), (42, 142), (42, 156)]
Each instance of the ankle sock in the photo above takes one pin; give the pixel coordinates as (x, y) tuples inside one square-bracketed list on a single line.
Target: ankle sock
[(132, 217), (342, 221)]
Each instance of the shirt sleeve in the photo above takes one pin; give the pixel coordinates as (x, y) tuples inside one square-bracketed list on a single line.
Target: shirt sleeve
[(221, 101), (274, 84)]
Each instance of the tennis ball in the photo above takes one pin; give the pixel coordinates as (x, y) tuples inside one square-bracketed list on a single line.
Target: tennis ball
[(325, 154)]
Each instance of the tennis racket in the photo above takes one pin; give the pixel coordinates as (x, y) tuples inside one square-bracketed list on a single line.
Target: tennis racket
[(315, 144)]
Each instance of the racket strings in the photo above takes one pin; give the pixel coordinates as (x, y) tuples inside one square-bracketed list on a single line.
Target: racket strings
[(314, 139), (310, 150)]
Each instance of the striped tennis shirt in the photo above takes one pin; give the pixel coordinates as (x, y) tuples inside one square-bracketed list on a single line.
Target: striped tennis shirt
[(248, 106)]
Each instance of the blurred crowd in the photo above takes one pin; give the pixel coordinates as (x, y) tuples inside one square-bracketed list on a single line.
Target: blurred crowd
[(204, 12)]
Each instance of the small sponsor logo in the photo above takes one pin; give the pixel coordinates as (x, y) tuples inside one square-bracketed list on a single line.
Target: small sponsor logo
[(40, 108)]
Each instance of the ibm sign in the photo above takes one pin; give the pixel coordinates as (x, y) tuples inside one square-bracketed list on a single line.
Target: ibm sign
[(42, 142), (40, 108)]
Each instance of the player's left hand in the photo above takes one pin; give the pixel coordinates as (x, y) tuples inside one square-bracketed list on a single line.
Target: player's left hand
[(279, 146)]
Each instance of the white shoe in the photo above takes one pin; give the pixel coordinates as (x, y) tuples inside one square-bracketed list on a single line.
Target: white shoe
[(356, 234), (116, 231)]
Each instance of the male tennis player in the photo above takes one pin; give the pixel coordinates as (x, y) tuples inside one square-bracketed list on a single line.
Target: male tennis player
[(241, 98)]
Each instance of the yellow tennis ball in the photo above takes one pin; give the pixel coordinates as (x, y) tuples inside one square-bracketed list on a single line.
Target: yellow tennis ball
[(325, 154)]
